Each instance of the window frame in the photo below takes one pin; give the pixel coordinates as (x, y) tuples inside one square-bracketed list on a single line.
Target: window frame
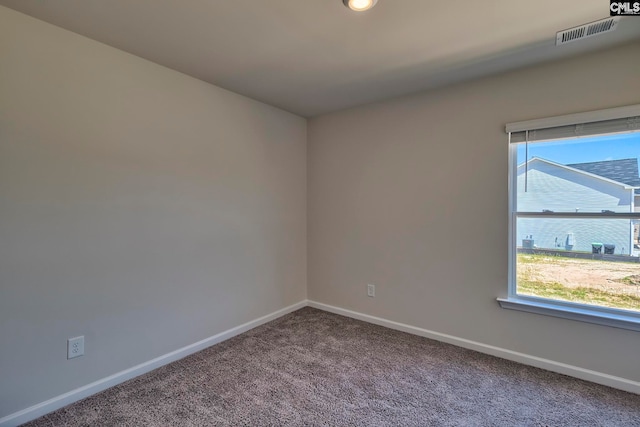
[(613, 317)]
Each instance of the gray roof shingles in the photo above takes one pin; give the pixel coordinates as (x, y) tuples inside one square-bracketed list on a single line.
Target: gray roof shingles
[(624, 170)]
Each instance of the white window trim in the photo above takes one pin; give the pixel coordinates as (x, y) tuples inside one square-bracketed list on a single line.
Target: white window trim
[(618, 318), (580, 312)]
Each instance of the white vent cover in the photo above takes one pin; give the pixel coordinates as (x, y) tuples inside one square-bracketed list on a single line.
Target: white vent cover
[(587, 30)]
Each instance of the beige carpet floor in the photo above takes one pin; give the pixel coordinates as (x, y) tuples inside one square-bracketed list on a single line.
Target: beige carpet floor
[(312, 368)]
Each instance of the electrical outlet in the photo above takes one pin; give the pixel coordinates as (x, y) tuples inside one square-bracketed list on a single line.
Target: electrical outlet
[(371, 290), (75, 347)]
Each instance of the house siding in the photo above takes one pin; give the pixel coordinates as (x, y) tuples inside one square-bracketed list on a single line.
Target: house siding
[(560, 189), (551, 233)]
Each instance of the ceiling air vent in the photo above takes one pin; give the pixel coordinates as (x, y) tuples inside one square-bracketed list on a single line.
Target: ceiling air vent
[(587, 30)]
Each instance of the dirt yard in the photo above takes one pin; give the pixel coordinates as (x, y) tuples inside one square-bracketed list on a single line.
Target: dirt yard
[(621, 278)]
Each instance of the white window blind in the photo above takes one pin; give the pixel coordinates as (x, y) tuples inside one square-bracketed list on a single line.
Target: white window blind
[(614, 120)]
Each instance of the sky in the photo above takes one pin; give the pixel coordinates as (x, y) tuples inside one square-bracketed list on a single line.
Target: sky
[(583, 150)]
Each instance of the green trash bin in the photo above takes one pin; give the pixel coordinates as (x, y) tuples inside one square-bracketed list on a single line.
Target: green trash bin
[(596, 248)]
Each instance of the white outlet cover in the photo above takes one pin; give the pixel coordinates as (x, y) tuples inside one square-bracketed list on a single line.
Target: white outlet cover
[(75, 347), (371, 290)]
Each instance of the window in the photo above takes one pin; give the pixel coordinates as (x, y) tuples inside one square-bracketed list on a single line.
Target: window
[(574, 196)]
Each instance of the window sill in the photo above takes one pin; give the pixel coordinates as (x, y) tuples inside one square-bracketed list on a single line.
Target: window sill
[(613, 318)]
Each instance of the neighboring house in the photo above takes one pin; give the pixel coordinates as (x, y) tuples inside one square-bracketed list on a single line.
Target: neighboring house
[(583, 187), (624, 170)]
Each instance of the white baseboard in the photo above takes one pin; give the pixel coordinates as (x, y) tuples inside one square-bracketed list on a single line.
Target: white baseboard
[(65, 399), (538, 362)]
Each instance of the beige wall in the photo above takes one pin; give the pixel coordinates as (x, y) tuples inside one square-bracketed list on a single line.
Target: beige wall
[(147, 210), (139, 207), (411, 195)]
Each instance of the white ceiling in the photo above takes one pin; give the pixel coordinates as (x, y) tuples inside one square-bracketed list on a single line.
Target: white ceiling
[(315, 56)]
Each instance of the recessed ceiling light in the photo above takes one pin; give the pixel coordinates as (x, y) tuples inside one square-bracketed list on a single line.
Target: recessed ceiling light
[(359, 5)]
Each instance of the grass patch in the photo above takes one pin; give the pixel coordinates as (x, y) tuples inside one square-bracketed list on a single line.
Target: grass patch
[(631, 280), (559, 258), (539, 259), (530, 285), (581, 295)]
